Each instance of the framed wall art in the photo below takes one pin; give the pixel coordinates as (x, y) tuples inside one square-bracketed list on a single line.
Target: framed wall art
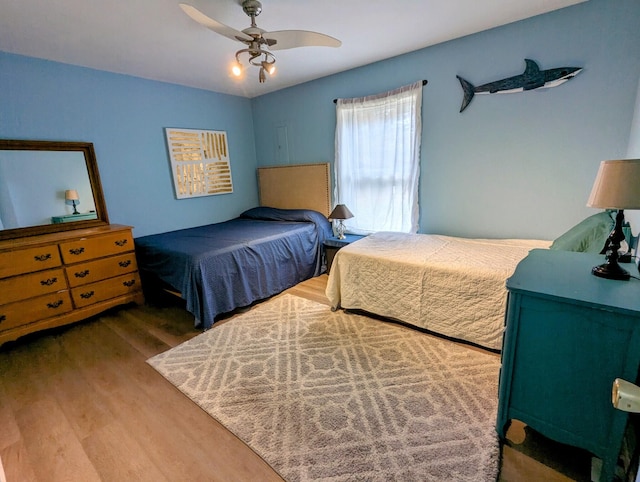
[(199, 162)]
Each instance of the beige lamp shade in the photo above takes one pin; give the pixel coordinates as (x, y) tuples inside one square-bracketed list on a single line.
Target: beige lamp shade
[(71, 195), (617, 185)]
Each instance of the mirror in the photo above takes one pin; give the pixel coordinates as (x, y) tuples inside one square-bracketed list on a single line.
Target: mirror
[(47, 187)]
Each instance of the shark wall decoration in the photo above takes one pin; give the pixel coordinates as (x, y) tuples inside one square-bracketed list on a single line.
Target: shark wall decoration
[(532, 78)]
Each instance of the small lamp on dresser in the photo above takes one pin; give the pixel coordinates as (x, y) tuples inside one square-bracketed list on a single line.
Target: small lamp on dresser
[(340, 212), (71, 198), (617, 186)]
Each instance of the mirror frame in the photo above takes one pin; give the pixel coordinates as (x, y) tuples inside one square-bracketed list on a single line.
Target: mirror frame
[(94, 178)]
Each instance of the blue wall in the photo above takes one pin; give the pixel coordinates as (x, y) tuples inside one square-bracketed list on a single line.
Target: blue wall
[(124, 117), (633, 152), (517, 165), (513, 165)]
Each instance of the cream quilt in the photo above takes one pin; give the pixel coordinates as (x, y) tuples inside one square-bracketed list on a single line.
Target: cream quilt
[(452, 286)]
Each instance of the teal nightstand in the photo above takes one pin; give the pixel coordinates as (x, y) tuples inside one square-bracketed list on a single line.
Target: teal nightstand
[(569, 335), (69, 218), (332, 245)]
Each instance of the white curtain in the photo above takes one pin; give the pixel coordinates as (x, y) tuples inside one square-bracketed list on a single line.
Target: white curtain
[(377, 164)]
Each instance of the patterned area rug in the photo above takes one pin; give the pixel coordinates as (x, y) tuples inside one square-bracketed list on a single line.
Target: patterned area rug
[(333, 396)]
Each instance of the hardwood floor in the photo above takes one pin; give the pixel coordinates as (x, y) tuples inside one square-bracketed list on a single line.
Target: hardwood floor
[(79, 403)]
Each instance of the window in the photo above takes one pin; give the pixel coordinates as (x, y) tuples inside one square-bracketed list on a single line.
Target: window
[(377, 162)]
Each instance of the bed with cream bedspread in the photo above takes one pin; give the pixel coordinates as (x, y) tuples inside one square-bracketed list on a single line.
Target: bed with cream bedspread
[(448, 285)]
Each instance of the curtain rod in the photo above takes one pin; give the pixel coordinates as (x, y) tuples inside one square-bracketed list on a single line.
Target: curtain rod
[(424, 82)]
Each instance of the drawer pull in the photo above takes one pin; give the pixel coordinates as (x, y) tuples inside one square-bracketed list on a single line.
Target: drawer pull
[(87, 295), (121, 242), (124, 264), (81, 274), (2, 318), (129, 283), (76, 251), (55, 304), (42, 257), (48, 282)]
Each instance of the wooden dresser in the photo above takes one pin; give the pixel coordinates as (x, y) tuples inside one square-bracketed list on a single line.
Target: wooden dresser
[(55, 279)]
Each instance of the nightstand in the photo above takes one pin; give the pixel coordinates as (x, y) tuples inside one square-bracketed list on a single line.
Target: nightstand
[(69, 218), (332, 245), (569, 335)]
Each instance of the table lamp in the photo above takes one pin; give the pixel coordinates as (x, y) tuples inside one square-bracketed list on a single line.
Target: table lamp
[(71, 198), (617, 186), (340, 212)]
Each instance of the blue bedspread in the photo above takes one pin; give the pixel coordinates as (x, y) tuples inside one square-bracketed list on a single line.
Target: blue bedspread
[(220, 267)]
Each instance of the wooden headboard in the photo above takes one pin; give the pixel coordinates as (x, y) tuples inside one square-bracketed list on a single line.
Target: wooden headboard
[(299, 186)]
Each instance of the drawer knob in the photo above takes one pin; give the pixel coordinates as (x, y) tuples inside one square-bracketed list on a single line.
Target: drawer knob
[(124, 264), (81, 274), (48, 282), (2, 318), (87, 295), (121, 242), (129, 283), (76, 251), (42, 257), (55, 304)]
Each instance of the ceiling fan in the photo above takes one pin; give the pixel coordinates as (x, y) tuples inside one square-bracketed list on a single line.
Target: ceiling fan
[(259, 42)]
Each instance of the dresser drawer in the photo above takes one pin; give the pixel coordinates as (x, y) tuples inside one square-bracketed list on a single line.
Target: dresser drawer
[(92, 271), (29, 260), (35, 309), (30, 285), (104, 290), (96, 247)]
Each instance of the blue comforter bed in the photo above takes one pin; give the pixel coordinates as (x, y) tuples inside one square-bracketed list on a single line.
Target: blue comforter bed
[(220, 267)]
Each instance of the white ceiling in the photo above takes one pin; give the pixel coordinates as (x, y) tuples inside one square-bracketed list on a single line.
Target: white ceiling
[(155, 39)]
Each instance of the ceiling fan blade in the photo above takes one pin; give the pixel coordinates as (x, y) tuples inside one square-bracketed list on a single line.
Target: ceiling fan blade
[(212, 24), (289, 39)]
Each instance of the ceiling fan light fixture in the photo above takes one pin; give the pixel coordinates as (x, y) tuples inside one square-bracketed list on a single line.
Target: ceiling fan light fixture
[(256, 55), (258, 41), (270, 67)]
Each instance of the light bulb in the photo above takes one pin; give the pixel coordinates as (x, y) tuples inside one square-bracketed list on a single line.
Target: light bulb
[(236, 69), (262, 77), (269, 67)]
